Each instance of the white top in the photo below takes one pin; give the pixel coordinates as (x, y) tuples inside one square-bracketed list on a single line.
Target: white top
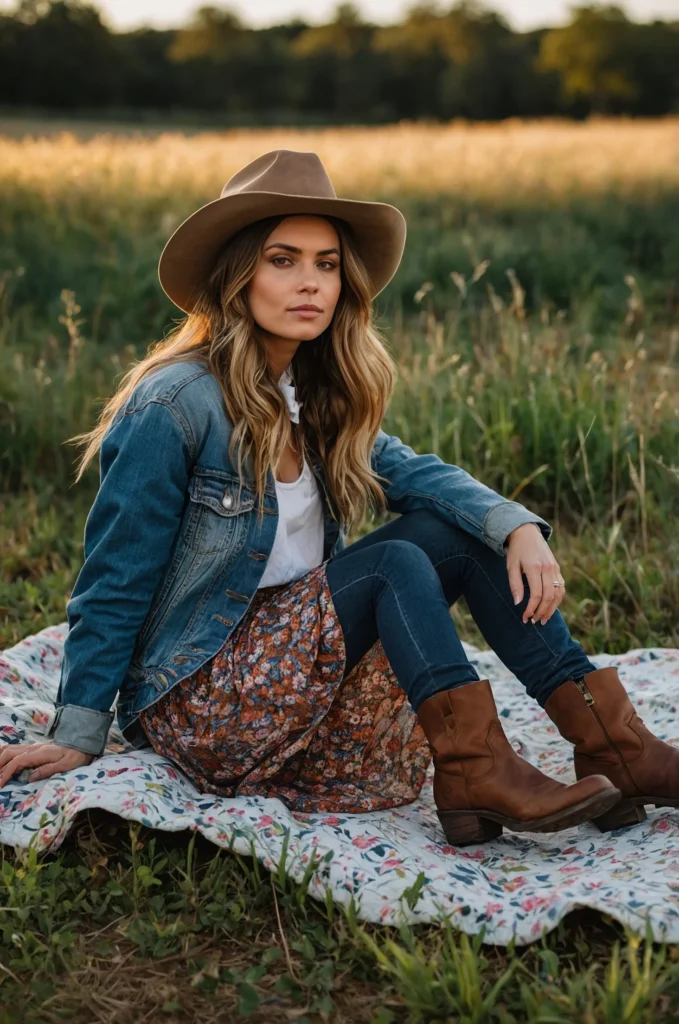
[(298, 544)]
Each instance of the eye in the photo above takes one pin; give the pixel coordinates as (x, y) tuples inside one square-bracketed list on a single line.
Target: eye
[(328, 263)]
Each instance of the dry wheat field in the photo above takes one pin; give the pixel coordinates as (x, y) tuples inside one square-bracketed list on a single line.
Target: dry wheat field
[(550, 157)]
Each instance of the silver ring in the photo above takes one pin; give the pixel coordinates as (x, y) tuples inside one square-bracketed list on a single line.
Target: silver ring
[(557, 584)]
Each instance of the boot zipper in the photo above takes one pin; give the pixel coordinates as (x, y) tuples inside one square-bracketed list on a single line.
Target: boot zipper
[(589, 700), (582, 687)]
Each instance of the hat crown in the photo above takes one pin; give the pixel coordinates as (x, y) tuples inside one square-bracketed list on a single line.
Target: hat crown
[(283, 171), (283, 182)]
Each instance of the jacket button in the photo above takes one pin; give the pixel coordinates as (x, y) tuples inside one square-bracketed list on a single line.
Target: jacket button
[(227, 500)]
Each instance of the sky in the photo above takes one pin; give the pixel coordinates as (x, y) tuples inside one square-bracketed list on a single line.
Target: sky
[(521, 14)]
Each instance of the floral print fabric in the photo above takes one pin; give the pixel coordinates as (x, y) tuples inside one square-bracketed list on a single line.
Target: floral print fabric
[(517, 886), (271, 715)]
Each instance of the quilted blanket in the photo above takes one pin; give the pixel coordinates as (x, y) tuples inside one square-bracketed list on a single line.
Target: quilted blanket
[(395, 864)]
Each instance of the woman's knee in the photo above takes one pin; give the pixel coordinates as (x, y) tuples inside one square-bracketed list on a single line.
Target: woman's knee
[(403, 556), (434, 535)]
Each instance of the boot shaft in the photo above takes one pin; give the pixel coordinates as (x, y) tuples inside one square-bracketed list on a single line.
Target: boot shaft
[(597, 715), (477, 767), (457, 723)]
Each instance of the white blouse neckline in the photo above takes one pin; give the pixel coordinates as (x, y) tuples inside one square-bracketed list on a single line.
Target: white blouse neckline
[(287, 484), (287, 386)]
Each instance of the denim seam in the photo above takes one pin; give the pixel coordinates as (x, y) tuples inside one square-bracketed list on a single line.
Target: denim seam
[(552, 679), (555, 656), (438, 500), (176, 414), (387, 580), (147, 636)]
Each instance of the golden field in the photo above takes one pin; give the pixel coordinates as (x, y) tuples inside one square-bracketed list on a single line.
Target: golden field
[(468, 158)]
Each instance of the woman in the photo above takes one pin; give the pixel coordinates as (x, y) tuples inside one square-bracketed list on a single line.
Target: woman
[(217, 603)]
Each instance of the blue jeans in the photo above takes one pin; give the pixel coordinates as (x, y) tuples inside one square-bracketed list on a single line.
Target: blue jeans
[(397, 584)]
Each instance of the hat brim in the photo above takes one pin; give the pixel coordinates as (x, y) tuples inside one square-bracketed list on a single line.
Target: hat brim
[(190, 253)]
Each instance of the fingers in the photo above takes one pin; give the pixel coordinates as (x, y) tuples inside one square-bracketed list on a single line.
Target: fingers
[(545, 598), (542, 572), (24, 755), (46, 770), (10, 750), (559, 593), (535, 584), (516, 581), (45, 758), (548, 594)]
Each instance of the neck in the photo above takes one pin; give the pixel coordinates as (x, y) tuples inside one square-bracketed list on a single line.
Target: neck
[(280, 352)]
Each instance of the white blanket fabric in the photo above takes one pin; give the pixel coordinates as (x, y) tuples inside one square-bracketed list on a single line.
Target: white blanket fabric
[(517, 886)]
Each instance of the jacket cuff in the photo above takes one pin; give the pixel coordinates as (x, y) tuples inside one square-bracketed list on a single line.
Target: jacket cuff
[(81, 728), (504, 518)]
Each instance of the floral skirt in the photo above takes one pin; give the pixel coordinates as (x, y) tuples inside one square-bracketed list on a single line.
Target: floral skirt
[(271, 714)]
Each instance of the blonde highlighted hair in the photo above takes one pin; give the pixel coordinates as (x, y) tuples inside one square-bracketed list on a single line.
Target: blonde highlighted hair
[(344, 378)]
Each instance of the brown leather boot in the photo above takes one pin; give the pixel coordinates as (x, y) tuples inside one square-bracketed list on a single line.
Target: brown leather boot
[(610, 739), (480, 782)]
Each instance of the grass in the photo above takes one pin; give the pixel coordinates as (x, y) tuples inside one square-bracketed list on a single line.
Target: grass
[(588, 441), (130, 924), (534, 326)]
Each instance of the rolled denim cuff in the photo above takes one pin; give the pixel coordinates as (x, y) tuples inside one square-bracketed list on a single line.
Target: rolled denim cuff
[(80, 728), (504, 518)]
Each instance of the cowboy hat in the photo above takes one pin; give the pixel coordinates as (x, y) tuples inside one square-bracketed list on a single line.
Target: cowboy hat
[(284, 181)]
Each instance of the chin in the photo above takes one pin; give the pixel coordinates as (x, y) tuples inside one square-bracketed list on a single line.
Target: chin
[(307, 332)]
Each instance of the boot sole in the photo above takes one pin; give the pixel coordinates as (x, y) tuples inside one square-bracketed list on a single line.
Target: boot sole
[(630, 811), (462, 828)]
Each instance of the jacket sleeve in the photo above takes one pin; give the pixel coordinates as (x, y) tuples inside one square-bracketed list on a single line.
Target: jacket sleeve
[(426, 482), (145, 467)]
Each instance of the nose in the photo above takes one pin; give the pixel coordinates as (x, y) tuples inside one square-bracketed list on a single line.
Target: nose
[(309, 277)]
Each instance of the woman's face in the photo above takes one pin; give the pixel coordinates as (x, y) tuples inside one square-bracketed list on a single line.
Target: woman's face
[(299, 265)]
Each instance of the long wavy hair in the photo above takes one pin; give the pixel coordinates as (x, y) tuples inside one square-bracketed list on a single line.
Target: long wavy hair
[(344, 378)]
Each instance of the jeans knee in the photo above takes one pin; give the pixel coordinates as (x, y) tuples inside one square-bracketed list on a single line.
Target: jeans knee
[(442, 532), (404, 557), (427, 524)]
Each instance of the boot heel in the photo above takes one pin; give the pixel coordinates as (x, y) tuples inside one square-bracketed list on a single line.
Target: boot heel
[(622, 814), (462, 828)]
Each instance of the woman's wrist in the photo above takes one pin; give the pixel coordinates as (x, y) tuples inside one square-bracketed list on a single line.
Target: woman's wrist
[(517, 528)]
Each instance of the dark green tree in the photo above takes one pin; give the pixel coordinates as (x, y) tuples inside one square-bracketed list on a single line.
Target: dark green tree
[(58, 54), (440, 63), (341, 73), (594, 57)]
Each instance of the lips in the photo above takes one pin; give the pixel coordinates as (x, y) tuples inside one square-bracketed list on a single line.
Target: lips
[(305, 309)]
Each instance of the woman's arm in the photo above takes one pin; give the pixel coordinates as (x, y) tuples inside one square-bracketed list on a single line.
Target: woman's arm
[(425, 481), (146, 459)]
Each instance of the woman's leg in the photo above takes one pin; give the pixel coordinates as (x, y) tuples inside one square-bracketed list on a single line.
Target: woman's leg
[(391, 591), (399, 590), (541, 657)]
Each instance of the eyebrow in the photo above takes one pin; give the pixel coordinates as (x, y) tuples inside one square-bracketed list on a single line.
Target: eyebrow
[(293, 248)]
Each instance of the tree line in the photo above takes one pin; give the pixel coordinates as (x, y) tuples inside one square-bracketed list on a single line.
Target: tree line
[(462, 62)]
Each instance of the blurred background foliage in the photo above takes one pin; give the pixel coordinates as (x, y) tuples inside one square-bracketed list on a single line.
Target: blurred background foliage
[(460, 62)]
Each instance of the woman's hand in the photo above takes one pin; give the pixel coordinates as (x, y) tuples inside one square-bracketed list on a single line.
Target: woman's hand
[(528, 552), (45, 758)]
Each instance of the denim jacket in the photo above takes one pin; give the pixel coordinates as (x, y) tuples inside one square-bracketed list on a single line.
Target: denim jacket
[(174, 553)]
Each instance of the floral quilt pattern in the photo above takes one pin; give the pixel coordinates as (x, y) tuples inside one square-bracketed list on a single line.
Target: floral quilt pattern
[(395, 864)]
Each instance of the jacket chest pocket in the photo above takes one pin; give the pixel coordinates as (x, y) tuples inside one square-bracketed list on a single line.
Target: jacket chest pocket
[(219, 516)]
